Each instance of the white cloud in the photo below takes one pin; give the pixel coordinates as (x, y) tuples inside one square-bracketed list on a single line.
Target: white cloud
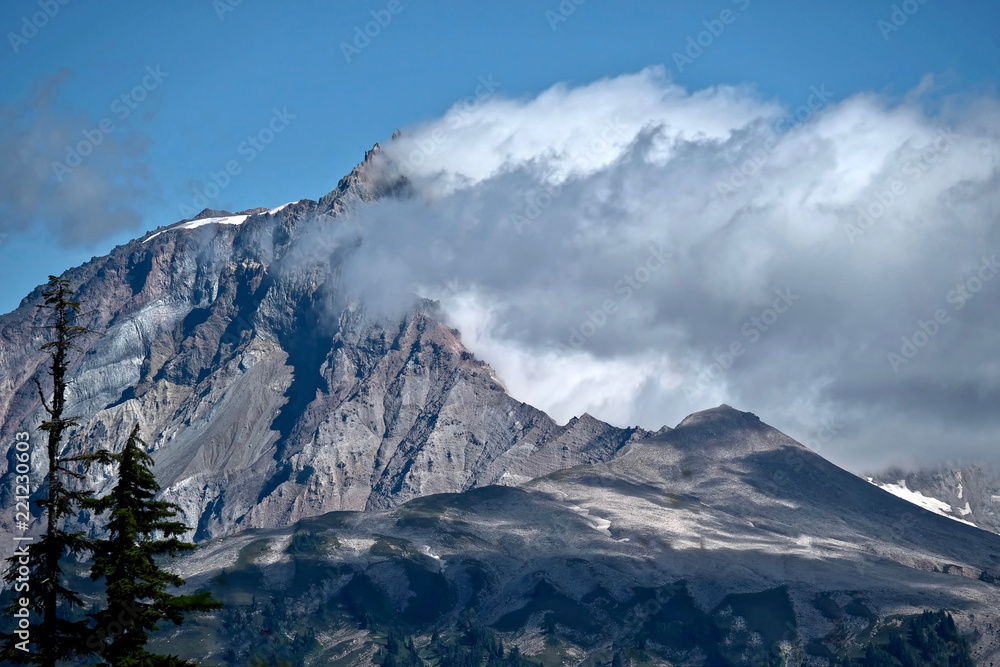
[(567, 383), (542, 225)]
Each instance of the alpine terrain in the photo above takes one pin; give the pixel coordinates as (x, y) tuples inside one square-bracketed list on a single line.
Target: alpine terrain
[(365, 491)]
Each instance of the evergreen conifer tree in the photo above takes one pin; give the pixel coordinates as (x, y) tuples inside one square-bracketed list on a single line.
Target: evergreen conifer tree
[(140, 529), (55, 637)]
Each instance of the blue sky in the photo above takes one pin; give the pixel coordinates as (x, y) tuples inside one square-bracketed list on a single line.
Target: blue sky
[(227, 67)]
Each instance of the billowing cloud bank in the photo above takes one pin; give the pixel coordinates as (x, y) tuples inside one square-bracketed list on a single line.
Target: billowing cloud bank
[(640, 252)]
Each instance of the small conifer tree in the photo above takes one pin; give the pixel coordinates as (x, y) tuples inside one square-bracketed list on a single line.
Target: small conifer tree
[(140, 529)]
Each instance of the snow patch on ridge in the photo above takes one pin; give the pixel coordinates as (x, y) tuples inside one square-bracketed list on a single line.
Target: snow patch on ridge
[(928, 503), (280, 208), (227, 220)]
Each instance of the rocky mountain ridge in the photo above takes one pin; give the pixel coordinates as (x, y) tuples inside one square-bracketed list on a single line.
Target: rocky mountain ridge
[(721, 541)]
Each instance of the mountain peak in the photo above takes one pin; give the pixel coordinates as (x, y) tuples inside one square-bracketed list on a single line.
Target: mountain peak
[(721, 415), (720, 433), (210, 213), (367, 182)]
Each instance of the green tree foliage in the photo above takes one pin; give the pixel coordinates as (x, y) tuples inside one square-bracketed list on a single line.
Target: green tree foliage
[(399, 652), (264, 662), (474, 645), (56, 637), (306, 543), (140, 529), (928, 639), (268, 632)]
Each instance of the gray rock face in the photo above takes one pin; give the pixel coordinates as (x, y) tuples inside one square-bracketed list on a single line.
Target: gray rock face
[(263, 394), (365, 183)]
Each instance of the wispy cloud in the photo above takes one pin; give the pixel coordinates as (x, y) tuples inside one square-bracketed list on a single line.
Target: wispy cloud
[(77, 176)]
